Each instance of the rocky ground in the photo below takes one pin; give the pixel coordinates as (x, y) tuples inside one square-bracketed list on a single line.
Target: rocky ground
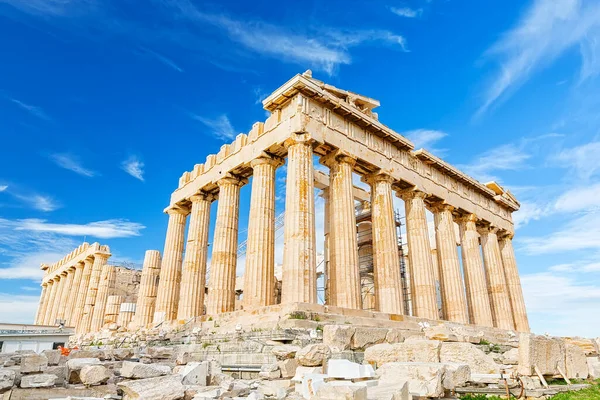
[(341, 362)]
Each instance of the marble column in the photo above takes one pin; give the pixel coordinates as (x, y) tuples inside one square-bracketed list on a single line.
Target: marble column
[(386, 262), (326, 236), (344, 276), (52, 287), (496, 279), (86, 274), (422, 277), (90, 299), (68, 296), (113, 307), (146, 300), (478, 298), (299, 283), (66, 281), (126, 314), (58, 283), (74, 294), (193, 282), (170, 270), (221, 287), (514, 283), (452, 288), (259, 278), (106, 284), (39, 316)]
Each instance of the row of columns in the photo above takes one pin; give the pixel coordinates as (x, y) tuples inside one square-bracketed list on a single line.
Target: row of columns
[(490, 293)]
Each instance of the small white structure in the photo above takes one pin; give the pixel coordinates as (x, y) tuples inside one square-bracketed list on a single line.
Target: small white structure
[(15, 337)]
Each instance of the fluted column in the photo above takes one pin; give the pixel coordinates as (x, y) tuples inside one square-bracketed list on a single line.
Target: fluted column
[(513, 281), (58, 283), (52, 287), (82, 290), (92, 292), (386, 263), (299, 252), (221, 288), (451, 282), (326, 236), (107, 283), (496, 279), (170, 269), (344, 276), (68, 295), (146, 300), (478, 298), (113, 307), (193, 281), (43, 298), (259, 278), (422, 280), (74, 293), (66, 281)]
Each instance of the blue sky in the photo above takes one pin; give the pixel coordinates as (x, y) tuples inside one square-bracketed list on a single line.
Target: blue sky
[(103, 105)]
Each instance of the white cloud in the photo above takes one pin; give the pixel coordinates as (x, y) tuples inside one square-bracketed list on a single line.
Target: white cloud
[(18, 309), (28, 266), (529, 211), (546, 31), (590, 267), (220, 126), (3, 188), (72, 163), (113, 228), (30, 288), (38, 201), (579, 199), (33, 110), (165, 60), (507, 157), (583, 159), (424, 138), (407, 12), (134, 167)]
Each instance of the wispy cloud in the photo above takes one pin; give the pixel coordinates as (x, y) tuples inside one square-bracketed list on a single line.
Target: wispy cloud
[(220, 126), (507, 157), (55, 8), (72, 163), (425, 138), (163, 59), (134, 167), (114, 228), (407, 12), (18, 309), (546, 31), (583, 160), (3, 188), (33, 110)]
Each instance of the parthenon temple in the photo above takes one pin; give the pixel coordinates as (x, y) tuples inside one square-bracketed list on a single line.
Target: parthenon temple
[(472, 278)]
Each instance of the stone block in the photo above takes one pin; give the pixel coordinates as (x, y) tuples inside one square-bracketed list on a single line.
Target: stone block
[(408, 351), (441, 333), (211, 392), (338, 337), (365, 337), (576, 366), (469, 354), (455, 375), (303, 371), (547, 353), (345, 369), (390, 391), (195, 373), (53, 356), (74, 366), (161, 352), (589, 346), (92, 375), (285, 351), (424, 379), (135, 370), (160, 388), (330, 392), (121, 354), (38, 381), (269, 371), (7, 379), (60, 371), (311, 384), (99, 354), (395, 335), (313, 355), (510, 357), (288, 367), (32, 363), (593, 367)]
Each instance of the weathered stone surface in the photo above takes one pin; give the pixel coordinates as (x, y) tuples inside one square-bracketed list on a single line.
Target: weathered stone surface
[(589, 346), (270, 390), (99, 354), (135, 370), (195, 373), (53, 356), (74, 366), (313, 355), (38, 381), (33, 363), (160, 352), (237, 389), (269, 371), (424, 379), (223, 380), (389, 391), (159, 388), (121, 354), (593, 367), (441, 333), (301, 372), (455, 375), (576, 366), (7, 379), (288, 367), (60, 371), (467, 353), (365, 337), (346, 369), (395, 335), (211, 392), (510, 357), (285, 351), (427, 351), (546, 352), (93, 375), (338, 337), (330, 392)]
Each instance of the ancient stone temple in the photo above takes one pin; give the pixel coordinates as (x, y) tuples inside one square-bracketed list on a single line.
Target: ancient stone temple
[(312, 119)]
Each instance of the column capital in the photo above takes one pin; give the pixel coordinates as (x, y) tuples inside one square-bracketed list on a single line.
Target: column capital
[(378, 176), (177, 209), (506, 235), (299, 138), (411, 193), (485, 228), (469, 217), (103, 256), (440, 206), (336, 157), (202, 196), (230, 179), (44, 284), (269, 159)]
